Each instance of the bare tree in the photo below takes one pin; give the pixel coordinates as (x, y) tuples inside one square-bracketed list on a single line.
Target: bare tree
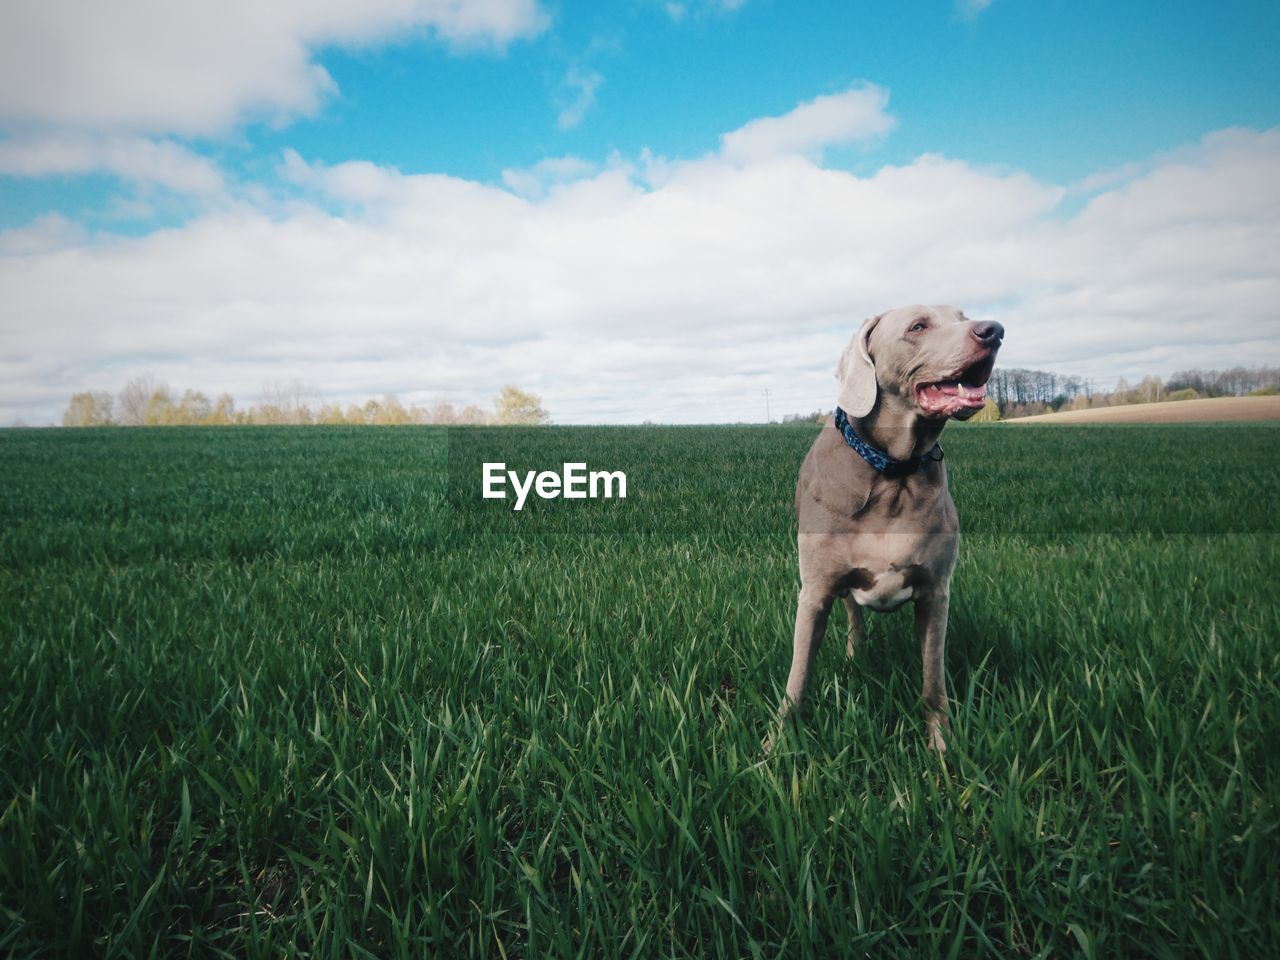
[(131, 403), (471, 415), (285, 403), (194, 408), (371, 412), (515, 406), (1150, 389), (159, 411), (88, 410), (391, 411), (330, 413), (224, 409), (443, 413)]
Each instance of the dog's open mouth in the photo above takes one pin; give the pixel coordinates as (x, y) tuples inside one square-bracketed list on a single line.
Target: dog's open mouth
[(963, 393)]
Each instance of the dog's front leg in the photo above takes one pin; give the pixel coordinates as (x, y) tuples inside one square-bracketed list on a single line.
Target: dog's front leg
[(931, 630), (811, 622), (857, 626)]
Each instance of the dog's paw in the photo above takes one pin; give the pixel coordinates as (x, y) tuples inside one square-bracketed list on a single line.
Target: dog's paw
[(936, 742)]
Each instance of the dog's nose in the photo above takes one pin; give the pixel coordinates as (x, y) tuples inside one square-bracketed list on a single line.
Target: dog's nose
[(988, 333)]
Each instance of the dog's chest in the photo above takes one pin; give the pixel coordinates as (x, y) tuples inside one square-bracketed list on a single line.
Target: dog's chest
[(883, 590), (884, 572)]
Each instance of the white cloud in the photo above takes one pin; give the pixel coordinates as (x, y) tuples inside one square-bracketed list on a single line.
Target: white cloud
[(534, 182), (577, 96), (46, 234), (856, 115), (192, 69), (677, 297), (136, 159), (970, 9), (679, 10), (1100, 180)]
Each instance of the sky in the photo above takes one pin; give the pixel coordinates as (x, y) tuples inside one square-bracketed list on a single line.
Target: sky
[(639, 210)]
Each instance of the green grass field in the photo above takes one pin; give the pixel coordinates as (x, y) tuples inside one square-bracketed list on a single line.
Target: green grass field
[(285, 692)]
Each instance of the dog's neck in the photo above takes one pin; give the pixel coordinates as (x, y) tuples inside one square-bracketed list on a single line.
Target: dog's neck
[(899, 430)]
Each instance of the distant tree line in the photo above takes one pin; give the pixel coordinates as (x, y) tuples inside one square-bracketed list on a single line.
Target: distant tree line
[(1015, 386), (1024, 393), (143, 402), (1236, 382), (1016, 392)]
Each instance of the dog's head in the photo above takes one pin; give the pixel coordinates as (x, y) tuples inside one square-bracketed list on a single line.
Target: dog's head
[(934, 359)]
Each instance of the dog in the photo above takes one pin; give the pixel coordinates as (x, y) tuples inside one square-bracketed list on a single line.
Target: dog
[(878, 527)]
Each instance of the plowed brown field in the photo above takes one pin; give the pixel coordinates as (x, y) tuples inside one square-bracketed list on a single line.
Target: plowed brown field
[(1178, 411)]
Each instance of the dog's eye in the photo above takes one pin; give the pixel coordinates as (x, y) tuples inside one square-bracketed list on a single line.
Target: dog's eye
[(918, 325)]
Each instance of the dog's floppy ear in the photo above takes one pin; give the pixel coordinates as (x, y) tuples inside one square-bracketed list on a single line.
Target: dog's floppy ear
[(857, 373)]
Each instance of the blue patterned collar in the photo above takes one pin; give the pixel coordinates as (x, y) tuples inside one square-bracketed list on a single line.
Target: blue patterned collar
[(883, 463)]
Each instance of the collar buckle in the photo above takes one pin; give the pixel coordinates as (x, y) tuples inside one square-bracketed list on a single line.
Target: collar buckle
[(896, 469)]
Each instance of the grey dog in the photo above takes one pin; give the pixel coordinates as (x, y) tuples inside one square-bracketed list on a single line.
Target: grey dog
[(877, 524)]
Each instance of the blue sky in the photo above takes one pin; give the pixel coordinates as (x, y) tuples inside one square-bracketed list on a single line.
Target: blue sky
[(549, 135), (1057, 89)]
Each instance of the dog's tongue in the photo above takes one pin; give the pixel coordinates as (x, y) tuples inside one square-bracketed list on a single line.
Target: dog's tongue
[(949, 398)]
